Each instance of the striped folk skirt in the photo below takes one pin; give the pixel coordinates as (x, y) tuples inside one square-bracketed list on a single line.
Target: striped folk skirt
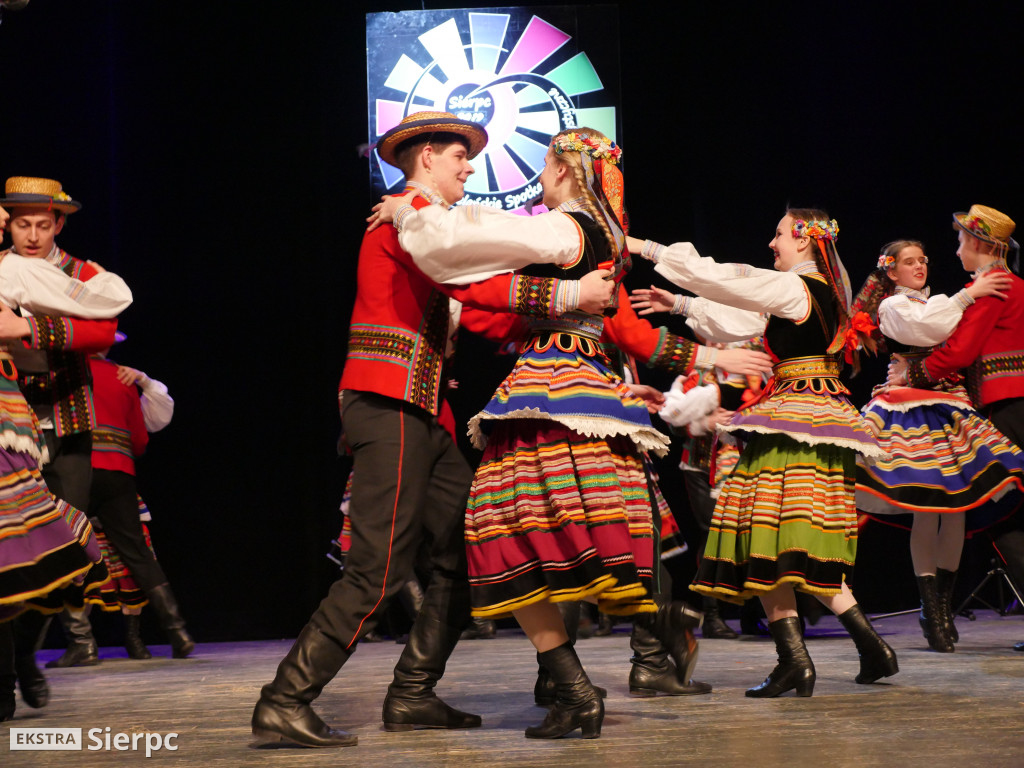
[(120, 590), (945, 459), (785, 515), (556, 515), (44, 545)]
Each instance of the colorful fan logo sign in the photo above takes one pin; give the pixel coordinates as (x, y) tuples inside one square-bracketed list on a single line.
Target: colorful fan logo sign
[(516, 71)]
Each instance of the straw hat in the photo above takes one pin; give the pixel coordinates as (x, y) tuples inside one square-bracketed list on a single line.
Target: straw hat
[(30, 192), (431, 122), (985, 223)]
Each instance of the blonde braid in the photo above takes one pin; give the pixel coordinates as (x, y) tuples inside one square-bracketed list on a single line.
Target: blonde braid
[(592, 205)]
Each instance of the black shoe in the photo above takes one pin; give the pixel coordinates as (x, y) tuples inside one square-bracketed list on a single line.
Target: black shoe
[(673, 626), (283, 712), (577, 704), (930, 618), (411, 702), (34, 689), (298, 724), (945, 581), (426, 712), (27, 633), (605, 625), (166, 607), (795, 670), (480, 629), (544, 689), (877, 659), (1019, 646), (714, 628), (133, 638), (652, 672), (77, 655)]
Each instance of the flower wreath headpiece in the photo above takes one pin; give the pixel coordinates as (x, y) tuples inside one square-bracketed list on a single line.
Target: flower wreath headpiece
[(889, 262), (819, 230), (598, 147), (599, 157), (826, 233)]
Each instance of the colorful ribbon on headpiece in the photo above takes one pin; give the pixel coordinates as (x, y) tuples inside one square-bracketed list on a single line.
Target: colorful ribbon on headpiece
[(606, 185)]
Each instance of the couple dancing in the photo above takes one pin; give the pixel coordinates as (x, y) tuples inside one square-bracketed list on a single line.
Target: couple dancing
[(559, 509)]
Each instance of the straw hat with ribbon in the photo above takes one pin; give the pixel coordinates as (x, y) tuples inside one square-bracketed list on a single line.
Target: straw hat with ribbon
[(986, 224), (30, 192), (419, 123)]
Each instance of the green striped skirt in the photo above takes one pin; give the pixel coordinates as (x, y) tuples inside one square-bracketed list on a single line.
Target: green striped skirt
[(785, 515)]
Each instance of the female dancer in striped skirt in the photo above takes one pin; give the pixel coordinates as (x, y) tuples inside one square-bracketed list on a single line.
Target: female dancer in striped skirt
[(785, 518), (560, 507), (946, 463)]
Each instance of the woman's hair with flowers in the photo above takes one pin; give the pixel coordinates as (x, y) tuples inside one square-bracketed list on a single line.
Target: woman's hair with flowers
[(878, 287), (568, 145), (811, 222)]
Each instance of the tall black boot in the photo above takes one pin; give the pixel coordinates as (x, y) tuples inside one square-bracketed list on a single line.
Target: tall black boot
[(795, 669), (28, 631), (411, 701), (945, 581), (7, 676), (166, 607), (283, 712), (480, 629), (82, 650), (653, 672), (673, 625), (133, 638), (714, 628), (577, 704), (877, 659), (930, 617), (544, 688)]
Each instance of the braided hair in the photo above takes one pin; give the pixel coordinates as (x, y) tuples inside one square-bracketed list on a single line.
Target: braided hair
[(597, 208)]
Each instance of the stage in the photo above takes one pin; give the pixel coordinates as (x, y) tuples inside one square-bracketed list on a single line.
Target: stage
[(959, 709)]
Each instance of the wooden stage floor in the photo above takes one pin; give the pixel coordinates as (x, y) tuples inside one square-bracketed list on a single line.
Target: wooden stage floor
[(948, 710)]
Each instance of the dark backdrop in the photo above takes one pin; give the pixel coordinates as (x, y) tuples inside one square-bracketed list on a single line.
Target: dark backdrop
[(214, 148)]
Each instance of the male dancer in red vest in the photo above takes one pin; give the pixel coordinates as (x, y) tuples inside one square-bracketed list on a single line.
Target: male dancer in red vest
[(410, 481), (53, 373)]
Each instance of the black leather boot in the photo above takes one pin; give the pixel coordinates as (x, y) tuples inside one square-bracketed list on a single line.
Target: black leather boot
[(945, 581), (544, 688), (411, 701), (7, 676), (877, 659), (673, 625), (653, 672), (133, 638), (28, 631), (166, 607), (82, 650), (283, 712), (480, 629), (577, 704), (714, 627), (930, 617), (795, 670)]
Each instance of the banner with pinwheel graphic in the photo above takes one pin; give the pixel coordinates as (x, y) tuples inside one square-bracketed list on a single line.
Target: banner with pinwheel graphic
[(523, 73)]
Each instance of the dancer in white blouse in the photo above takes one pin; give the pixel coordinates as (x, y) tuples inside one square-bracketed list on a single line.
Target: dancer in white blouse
[(947, 465), (785, 518)]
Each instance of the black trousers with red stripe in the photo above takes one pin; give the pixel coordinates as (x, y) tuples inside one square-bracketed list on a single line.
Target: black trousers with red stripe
[(409, 486)]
